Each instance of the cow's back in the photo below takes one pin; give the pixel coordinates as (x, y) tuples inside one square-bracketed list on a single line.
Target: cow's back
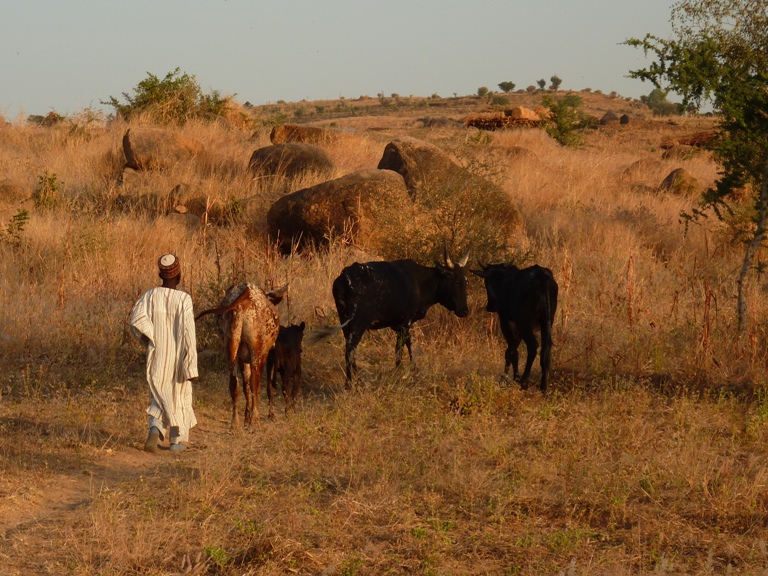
[(254, 321), (382, 292), (526, 290)]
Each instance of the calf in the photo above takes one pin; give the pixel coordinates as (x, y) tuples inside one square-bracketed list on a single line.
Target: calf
[(249, 325), (526, 301), (394, 295), (285, 359)]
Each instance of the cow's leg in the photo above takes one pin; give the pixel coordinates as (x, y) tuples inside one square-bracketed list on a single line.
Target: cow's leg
[(288, 389), (247, 372), (271, 380), (296, 388), (233, 392), (352, 335), (532, 346), (255, 383), (400, 336), (545, 359), (511, 357)]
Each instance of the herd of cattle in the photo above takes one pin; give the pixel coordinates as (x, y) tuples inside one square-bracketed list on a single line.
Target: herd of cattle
[(379, 295)]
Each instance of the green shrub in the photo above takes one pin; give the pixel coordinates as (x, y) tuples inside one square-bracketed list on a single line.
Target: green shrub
[(499, 100), (15, 226), (566, 119), (174, 99), (658, 103), (47, 194)]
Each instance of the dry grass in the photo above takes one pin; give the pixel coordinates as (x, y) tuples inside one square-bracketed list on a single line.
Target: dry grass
[(646, 456)]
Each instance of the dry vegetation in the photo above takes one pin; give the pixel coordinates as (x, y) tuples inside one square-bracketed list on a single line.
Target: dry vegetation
[(647, 455)]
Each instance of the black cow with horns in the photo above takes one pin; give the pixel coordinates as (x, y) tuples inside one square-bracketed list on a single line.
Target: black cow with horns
[(526, 301), (394, 295)]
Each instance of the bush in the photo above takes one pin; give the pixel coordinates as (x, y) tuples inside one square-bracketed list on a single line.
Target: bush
[(47, 194), (499, 100), (658, 103), (566, 119), (174, 99), (482, 91), (467, 210)]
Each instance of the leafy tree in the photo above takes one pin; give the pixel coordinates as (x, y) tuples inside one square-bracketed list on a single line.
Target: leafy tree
[(173, 99), (482, 91), (658, 103), (506, 87), (719, 54), (556, 81), (565, 120), (542, 83)]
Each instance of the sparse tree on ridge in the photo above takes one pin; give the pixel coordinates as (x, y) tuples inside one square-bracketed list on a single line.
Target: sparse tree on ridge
[(542, 83), (556, 81), (719, 54), (506, 86), (483, 91)]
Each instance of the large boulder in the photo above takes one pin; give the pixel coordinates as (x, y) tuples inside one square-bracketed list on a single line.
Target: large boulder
[(680, 182), (290, 160), (356, 205), (421, 164), (299, 133), (157, 149)]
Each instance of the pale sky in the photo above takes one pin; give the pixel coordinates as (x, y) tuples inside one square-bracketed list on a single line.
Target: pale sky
[(70, 55)]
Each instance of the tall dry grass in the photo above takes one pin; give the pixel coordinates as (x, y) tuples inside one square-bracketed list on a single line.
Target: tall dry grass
[(647, 454)]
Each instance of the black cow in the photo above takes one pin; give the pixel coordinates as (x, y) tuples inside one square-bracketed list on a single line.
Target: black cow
[(526, 301), (395, 295), (285, 359)]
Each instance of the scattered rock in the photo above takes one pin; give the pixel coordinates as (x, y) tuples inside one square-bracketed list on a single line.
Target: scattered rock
[(680, 182), (420, 163), (298, 133), (290, 160), (157, 149), (353, 205), (679, 152)]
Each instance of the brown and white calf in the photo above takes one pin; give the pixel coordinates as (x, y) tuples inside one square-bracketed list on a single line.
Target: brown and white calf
[(249, 324)]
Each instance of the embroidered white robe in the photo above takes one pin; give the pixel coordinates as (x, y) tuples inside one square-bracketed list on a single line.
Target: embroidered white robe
[(163, 321)]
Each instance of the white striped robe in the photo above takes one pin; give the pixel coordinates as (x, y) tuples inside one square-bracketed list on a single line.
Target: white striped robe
[(163, 321)]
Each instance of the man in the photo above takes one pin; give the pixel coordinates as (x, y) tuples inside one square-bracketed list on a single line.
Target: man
[(162, 320)]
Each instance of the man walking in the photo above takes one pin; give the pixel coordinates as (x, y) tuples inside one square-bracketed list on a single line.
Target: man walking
[(163, 321)]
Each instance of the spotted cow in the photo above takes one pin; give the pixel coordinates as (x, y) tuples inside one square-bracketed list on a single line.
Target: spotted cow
[(249, 324)]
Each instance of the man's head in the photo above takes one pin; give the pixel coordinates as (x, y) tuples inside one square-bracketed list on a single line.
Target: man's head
[(170, 270)]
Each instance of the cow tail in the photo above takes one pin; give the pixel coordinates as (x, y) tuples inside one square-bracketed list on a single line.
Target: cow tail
[(320, 334), (545, 320), (222, 309)]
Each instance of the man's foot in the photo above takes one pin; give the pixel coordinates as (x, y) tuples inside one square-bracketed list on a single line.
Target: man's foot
[(177, 447), (151, 444)]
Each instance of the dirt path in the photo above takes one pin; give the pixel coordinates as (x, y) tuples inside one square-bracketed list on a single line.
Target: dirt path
[(37, 507)]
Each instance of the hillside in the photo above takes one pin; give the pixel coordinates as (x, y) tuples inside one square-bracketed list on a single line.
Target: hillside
[(645, 455)]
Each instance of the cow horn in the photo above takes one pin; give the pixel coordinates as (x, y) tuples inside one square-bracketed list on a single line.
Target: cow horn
[(463, 261), (446, 257)]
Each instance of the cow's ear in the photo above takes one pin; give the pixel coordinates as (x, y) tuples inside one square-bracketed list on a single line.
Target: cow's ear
[(302, 326), (481, 273)]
